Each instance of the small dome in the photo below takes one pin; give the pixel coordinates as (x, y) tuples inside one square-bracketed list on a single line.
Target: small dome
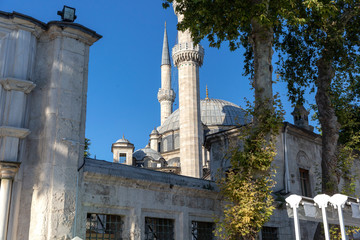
[(214, 112), (154, 132), (140, 154), (122, 140)]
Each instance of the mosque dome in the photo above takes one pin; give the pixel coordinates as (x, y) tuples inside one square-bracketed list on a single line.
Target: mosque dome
[(214, 112), (140, 154)]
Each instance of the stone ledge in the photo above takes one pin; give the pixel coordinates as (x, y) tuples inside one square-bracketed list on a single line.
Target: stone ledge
[(100, 168), (6, 131), (14, 84)]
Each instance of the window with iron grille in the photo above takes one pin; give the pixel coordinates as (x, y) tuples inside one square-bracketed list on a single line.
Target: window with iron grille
[(103, 226), (305, 182), (269, 233), (202, 230), (159, 229)]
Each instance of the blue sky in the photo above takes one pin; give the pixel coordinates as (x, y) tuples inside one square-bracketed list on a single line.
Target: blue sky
[(124, 67)]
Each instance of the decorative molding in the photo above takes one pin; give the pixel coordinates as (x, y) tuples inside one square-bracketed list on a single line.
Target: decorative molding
[(6, 131), (15, 84), (167, 95), (185, 52), (8, 169)]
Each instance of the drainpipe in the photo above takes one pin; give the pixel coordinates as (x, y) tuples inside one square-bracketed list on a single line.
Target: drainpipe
[(77, 197), (286, 162)]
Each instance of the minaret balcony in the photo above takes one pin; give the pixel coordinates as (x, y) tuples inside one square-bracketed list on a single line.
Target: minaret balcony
[(166, 95), (188, 51)]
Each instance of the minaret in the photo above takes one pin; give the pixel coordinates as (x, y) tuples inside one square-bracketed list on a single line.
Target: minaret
[(166, 95), (188, 57)]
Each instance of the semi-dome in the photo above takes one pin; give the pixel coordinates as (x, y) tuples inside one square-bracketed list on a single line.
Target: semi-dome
[(214, 112)]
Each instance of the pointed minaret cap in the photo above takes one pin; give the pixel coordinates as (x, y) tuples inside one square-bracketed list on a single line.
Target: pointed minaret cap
[(165, 58)]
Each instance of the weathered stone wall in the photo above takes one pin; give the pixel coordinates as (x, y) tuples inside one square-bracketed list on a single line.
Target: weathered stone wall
[(135, 193), (54, 57)]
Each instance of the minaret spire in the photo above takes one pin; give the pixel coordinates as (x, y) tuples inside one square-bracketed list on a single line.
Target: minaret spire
[(166, 95), (165, 59)]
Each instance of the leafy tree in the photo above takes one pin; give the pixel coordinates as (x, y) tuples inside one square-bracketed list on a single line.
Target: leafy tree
[(252, 24), (87, 148), (248, 184), (323, 53), (246, 23)]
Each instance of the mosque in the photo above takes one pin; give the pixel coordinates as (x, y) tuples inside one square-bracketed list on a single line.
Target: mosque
[(183, 144), (163, 191)]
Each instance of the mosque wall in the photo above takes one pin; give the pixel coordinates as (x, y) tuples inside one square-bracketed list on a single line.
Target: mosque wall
[(304, 157), (135, 194)]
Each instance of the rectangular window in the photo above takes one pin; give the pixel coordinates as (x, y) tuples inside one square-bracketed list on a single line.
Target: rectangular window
[(202, 230), (305, 182), (103, 226), (159, 229), (269, 233), (122, 158)]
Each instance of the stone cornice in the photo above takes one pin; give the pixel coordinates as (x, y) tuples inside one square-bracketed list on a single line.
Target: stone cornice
[(167, 95), (15, 84), (72, 30), (8, 169), (17, 20), (185, 52), (6, 131)]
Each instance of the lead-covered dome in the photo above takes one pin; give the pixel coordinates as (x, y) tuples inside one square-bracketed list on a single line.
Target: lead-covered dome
[(214, 112), (146, 152)]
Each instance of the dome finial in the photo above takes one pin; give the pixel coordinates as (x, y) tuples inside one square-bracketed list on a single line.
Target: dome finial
[(207, 93), (123, 136)]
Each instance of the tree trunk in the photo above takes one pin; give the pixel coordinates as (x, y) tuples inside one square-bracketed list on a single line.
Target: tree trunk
[(261, 40), (329, 126)]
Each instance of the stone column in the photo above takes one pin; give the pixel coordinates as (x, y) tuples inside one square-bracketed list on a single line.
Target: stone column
[(54, 149), (188, 57), (7, 171), (17, 57)]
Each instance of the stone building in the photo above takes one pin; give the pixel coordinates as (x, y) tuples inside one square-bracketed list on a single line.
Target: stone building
[(164, 191)]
